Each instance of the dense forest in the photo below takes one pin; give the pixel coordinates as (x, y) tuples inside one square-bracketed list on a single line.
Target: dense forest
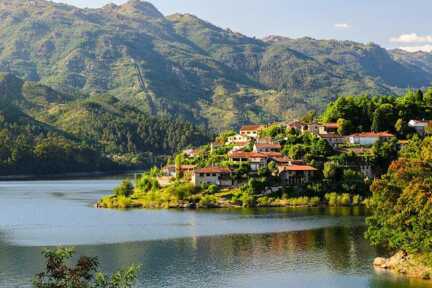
[(46, 132)]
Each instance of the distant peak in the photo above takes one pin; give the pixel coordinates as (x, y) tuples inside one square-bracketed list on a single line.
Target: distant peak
[(275, 38), (140, 7)]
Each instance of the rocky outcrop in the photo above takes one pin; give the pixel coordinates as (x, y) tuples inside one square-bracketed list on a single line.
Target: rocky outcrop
[(404, 263)]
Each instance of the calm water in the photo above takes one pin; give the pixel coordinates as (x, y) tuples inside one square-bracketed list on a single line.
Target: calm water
[(220, 248)]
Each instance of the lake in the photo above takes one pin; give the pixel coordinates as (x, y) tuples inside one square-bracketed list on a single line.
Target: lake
[(313, 247)]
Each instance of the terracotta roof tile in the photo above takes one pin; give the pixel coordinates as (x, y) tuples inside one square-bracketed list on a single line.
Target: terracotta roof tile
[(299, 168), (372, 134), (251, 127), (214, 169)]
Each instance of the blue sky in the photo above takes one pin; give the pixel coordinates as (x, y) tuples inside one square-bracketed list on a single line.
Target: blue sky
[(390, 23)]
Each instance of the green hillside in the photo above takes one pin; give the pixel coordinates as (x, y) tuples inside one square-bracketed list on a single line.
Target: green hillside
[(43, 131), (183, 66)]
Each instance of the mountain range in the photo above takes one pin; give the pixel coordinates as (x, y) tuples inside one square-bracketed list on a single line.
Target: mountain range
[(182, 66)]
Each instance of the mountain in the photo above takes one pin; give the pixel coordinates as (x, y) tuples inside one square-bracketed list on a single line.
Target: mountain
[(43, 131), (183, 66)]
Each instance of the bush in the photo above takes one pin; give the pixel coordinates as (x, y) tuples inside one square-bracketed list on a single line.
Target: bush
[(125, 188), (265, 201), (208, 201), (212, 189), (59, 274)]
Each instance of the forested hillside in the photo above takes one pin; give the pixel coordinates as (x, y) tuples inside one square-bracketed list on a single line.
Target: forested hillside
[(43, 131), (181, 65)]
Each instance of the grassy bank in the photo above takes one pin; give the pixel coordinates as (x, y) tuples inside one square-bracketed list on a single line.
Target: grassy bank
[(185, 195)]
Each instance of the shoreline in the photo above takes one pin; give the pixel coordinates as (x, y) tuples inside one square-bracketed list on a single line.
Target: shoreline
[(402, 263), (67, 176)]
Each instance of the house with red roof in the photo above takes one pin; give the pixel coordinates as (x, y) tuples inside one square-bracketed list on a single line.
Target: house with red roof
[(328, 128), (251, 130), (296, 174), (256, 160), (267, 147), (368, 138), (219, 176), (170, 170)]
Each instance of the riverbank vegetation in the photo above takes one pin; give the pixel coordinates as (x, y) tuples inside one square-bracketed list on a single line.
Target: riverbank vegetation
[(401, 203)]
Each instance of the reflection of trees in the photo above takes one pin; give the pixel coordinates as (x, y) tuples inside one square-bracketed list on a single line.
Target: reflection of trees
[(214, 259)]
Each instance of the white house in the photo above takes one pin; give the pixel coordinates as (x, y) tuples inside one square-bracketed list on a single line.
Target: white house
[(251, 130), (369, 138), (238, 138), (419, 126), (170, 170), (254, 159), (333, 139), (267, 147), (219, 176)]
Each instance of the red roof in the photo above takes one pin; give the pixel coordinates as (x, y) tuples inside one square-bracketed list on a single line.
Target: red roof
[(299, 168), (242, 154), (331, 125), (183, 167), (214, 169), (372, 134), (251, 128), (282, 159), (269, 145), (271, 154)]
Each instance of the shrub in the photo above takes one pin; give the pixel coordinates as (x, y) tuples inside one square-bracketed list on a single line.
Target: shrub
[(84, 274), (125, 188), (212, 189), (264, 201), (208, 201)]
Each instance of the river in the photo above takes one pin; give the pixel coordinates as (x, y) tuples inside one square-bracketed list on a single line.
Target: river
[(312, 247)]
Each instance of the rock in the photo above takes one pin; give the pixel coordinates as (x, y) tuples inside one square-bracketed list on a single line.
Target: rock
[(380, 262)]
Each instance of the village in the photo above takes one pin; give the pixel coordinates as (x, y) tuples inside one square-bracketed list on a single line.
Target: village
[(282, 164), (249, 147)]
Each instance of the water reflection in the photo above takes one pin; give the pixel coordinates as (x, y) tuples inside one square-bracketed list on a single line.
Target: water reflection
[(310, 247), (330, 257)]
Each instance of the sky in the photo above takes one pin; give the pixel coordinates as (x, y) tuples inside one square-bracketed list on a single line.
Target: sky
[(389, 23)]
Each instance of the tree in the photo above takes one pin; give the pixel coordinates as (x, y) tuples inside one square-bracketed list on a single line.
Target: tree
[(345, 127), (383, 118), (125, 188), (401, 207), (309, 117), (383, 153), (178, 164), (84, 274)]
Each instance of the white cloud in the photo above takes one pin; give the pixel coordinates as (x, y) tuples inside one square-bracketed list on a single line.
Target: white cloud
[(412, 38), (424, 48), (342, 25)]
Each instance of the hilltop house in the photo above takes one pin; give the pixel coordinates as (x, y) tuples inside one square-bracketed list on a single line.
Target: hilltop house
[(311, 128), (296, 125), (170, 170), (255, 160), (219, 176), (369, 138), (333, 139), (419, 126), (328, 128), (251, 130), (296, 174), (267, 147)]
